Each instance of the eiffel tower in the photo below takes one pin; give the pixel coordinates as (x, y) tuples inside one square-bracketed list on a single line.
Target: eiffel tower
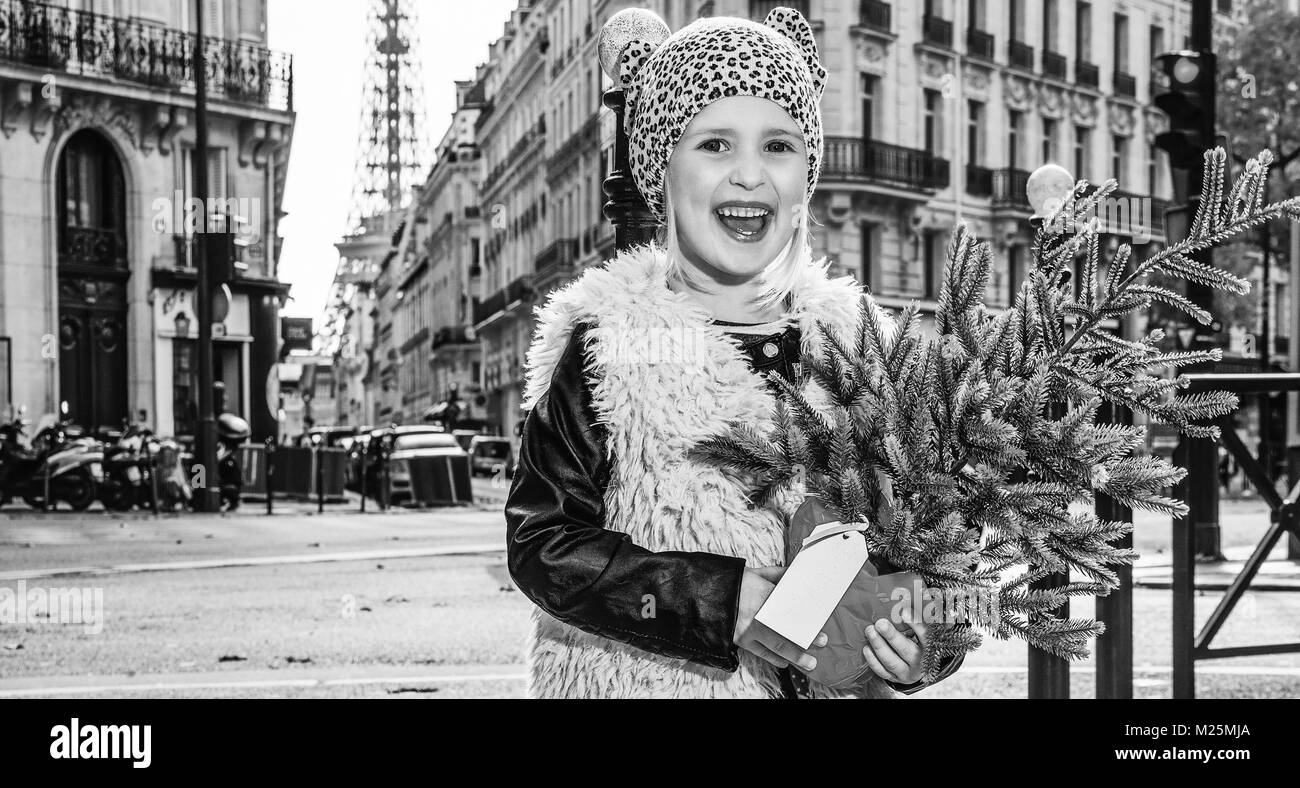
[(393, 149)]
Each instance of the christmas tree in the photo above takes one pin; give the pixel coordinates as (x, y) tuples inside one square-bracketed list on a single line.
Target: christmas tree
[(964, 449)]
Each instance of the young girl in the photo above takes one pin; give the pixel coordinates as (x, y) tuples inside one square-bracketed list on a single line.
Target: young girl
[(646, 567)]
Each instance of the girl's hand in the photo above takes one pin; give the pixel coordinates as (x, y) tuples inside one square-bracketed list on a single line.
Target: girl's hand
[(755, 587), (893, 655)]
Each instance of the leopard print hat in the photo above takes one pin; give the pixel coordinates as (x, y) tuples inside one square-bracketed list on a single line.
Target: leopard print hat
[(712, 58)]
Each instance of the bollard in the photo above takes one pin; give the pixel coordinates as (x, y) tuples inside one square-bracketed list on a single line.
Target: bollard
[(385, 449), (153, 476), (268, 473), (320, 479), (364, 473)]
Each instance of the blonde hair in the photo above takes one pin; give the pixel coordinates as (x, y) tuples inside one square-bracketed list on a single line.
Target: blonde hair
[(776, 281)]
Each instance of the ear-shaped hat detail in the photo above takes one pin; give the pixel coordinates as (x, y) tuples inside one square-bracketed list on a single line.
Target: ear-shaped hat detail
[(634, 56), (791, 24)]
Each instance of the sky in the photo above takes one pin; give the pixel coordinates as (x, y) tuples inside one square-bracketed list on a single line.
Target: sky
[(327, 39)]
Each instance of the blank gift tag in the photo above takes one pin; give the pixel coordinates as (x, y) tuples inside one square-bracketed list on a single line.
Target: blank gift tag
[(813, 585)]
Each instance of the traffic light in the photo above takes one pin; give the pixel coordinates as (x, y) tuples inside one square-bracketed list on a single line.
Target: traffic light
[(1188, 100)]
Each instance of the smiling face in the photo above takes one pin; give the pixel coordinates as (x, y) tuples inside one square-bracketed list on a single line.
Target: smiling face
[(737, 181)]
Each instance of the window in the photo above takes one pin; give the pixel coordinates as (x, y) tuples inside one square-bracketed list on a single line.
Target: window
[(1120, 43), (1015, 130), (867, 241), (1153, 171), (1015, 272), (1118, 156), (974, 132), (933, 264), (975, 14), (1049, 25), (1083, 31), (1017, 20), (933, 102), (1156, 40), (1081, 144), (867, 89), (1049, 140)]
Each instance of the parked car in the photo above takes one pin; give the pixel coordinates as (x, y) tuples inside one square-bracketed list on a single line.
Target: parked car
[(330, 436), (465, 437), (489, 452)]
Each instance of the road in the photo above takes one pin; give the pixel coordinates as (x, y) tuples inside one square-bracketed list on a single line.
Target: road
[(416, 604)]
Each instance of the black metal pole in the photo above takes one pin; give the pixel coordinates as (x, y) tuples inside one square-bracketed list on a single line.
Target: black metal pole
[(364, 470), (152, 465), (205, 447), (1203, 455), (1183, 580), (320, 480), (1266, 335), (1115, 646), (270, 470)]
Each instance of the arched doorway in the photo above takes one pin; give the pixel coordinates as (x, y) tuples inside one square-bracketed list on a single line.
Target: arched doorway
[(93, 270)]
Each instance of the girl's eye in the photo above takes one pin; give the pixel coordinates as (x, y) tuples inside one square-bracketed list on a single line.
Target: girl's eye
[(707, 143)]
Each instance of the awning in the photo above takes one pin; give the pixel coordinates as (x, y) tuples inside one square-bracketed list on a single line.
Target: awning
[(436, 412)]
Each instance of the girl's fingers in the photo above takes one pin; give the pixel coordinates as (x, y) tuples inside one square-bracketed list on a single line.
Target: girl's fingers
[(895, 651), (768, 655), (874, 663)]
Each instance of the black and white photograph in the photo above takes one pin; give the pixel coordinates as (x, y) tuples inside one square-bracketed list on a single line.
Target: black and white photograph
[(650, 349)]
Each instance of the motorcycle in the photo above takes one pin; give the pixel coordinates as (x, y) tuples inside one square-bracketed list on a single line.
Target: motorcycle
[(232, 432), (69, 467), (129, 470)]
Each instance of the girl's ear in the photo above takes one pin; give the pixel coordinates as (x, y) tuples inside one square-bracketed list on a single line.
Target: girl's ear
[(635, 54), (791, 24)]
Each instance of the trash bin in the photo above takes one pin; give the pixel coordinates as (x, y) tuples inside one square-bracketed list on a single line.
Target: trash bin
[(441, 478)]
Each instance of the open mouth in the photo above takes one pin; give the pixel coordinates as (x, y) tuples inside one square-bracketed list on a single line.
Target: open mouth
[(744, 224)]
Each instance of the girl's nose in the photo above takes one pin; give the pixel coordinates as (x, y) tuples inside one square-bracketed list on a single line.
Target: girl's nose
[(749, 172)]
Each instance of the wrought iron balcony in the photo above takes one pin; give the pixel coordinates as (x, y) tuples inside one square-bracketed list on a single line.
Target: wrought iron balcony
[(1020, 55), (96, 45), (875, 15), (520, 289), (937, 31), (759, 9), (850, 158), (1086, 74), (92, 246), (556, 258), (979, 44), (1054, 65), (1125, 84), (450, 335), (1009, 188), (979, 181)]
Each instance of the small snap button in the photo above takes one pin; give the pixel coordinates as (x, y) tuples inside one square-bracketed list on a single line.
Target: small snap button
[(769, 349)]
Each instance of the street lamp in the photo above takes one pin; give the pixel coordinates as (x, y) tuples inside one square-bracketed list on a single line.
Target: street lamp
[(626, 210), (182, 325)]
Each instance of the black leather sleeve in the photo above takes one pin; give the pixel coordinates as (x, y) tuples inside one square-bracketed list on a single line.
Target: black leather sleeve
[(561, 556)]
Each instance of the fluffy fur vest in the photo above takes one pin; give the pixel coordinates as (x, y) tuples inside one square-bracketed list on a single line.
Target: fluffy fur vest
[(666, 378)]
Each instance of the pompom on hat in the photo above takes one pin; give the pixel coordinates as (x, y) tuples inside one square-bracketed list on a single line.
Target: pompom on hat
[(666, 82)]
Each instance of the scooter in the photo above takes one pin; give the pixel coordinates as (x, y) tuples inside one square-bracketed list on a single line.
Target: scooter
[(70, 469), (129, 470)]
